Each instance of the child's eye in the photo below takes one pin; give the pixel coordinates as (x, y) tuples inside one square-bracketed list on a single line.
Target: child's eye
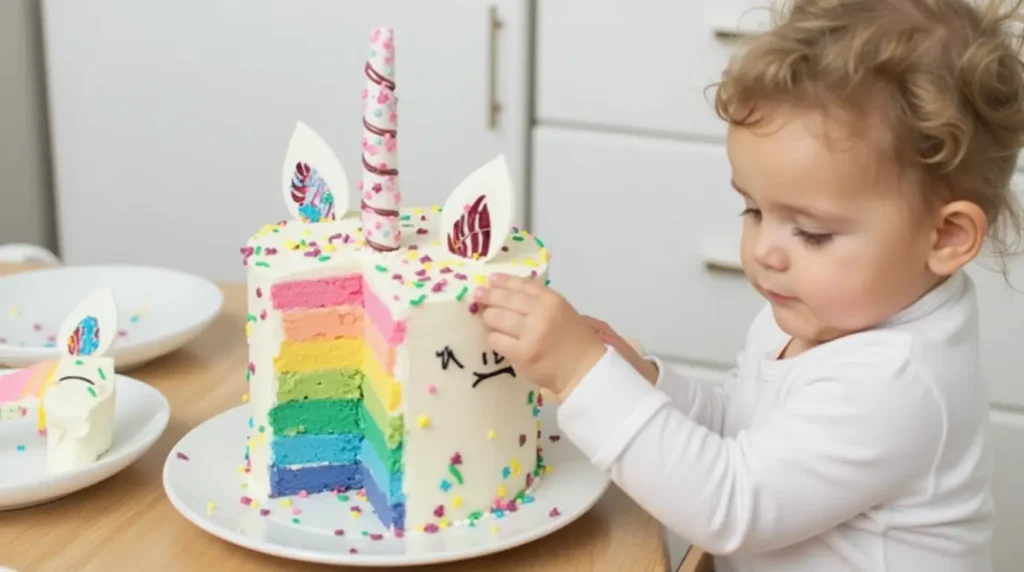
[(813, 238), (750, 211)]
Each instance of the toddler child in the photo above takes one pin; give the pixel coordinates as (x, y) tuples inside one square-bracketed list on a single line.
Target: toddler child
[(872, 143)]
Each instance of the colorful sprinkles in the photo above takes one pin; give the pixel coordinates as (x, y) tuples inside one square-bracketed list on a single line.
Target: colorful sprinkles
[(454, 469), (430, 276)]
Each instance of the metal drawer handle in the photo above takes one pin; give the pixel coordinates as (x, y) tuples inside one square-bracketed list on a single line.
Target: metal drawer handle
[(733, 34), (730, 35), (723, 266), (722, 258), (493, 105)]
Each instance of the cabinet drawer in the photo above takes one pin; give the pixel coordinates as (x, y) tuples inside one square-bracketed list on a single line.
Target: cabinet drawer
[(631, 224), (640, 65), (1001, 320), (205, 124)]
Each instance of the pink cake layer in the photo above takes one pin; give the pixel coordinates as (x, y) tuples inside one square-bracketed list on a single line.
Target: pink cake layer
[(318, 293), (393, 331)]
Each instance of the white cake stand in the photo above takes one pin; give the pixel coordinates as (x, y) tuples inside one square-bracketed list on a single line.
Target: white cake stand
[(203, 481)]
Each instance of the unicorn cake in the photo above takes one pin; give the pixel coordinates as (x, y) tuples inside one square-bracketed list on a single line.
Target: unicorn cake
[(368, 366), (73, 396)]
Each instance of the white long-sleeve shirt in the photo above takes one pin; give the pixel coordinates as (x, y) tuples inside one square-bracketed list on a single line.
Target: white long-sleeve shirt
[(870, 452)]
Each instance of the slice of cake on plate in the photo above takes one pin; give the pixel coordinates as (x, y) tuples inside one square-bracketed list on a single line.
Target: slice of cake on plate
[(368, 366), (74, 396)]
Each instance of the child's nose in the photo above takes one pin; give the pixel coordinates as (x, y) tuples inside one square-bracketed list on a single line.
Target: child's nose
[(770, 255)]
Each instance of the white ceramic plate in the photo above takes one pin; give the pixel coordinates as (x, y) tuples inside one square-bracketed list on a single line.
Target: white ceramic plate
[(141, 414), (203, 468), (159, 310)]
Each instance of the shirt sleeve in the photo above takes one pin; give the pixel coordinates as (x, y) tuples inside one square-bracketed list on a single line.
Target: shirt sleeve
[(846, 438), (701, 402)]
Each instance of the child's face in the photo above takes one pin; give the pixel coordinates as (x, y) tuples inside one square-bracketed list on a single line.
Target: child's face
[(835, 235)]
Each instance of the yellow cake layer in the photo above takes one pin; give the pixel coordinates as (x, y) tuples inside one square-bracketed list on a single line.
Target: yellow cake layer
[(384, 385), (317, 354), (311, 355)]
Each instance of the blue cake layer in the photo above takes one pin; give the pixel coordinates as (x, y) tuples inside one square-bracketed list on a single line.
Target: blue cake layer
[(314, 479), (391, 514), (379, 473), (307, 449)]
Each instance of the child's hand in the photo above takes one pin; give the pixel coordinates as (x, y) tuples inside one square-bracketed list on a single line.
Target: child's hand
[(625, 349), (543, 336)]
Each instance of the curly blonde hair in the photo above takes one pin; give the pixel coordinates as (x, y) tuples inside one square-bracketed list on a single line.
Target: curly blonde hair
[(949, 74)]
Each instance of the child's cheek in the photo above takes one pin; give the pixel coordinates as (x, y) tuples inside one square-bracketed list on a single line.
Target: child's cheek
[(841, 300)]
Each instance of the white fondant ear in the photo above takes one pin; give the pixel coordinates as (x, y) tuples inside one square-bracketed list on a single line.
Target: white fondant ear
[(477, 216), (313, 180), (90, 329)]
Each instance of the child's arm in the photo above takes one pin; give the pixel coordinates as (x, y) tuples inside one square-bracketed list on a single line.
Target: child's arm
[(844, 441), (703, 403)]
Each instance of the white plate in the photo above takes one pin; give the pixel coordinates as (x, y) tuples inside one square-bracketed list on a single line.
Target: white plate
[(204, 467), (159, 310), (141, 414)]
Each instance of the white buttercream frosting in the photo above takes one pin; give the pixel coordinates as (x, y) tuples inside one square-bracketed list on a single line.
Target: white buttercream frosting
[(79, 410)]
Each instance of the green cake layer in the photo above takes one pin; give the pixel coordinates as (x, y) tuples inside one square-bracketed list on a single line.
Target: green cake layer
[(321, 416), (343, 383), (391, 457), (339, 401), (393, 426)]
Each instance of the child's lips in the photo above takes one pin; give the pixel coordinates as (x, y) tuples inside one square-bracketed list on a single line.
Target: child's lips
[(774, 296)]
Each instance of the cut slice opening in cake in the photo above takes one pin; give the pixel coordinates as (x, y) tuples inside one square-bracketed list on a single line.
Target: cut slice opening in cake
[(337, 424)]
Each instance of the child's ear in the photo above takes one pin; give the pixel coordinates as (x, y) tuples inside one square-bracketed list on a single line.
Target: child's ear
[(959, 235)]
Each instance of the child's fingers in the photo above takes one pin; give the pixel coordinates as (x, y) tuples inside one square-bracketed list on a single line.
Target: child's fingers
[(504, 345), (518, 283), (507, 299), (504, 321)]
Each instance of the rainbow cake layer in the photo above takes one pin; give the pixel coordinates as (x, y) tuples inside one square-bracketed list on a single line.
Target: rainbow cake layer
[(370, 370)]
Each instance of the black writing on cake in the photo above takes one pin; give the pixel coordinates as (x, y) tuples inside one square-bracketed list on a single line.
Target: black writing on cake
[(497, 358), (447, 356)]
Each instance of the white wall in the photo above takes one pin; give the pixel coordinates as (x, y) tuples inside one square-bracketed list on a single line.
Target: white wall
[(26, 206)]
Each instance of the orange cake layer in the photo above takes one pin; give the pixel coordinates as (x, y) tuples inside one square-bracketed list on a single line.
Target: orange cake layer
[(323, 323)]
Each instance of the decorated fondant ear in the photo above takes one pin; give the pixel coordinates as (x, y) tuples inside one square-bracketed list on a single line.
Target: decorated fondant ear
[(314, 182), (477, 216), (90, 329)]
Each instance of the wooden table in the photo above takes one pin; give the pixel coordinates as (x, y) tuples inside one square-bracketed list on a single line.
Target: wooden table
[(126, 522)]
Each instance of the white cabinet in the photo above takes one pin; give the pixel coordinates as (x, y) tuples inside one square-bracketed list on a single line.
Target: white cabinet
[(26, 212), (1001, 308), (644, 234), (170, 120), (640, 66), (1007, 436)]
